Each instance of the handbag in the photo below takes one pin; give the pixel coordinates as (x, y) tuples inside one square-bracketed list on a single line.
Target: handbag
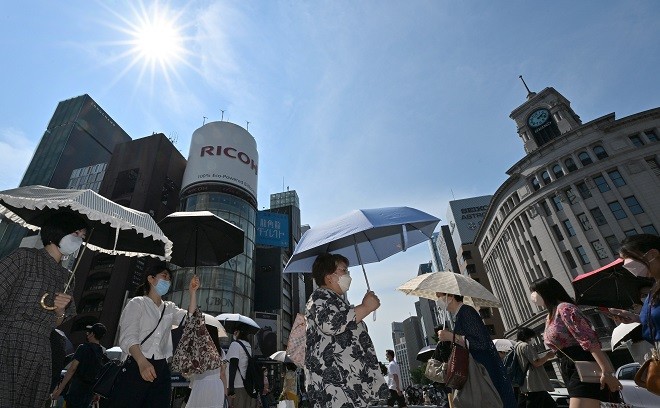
[(478, 391), (196, 352), (296, 345), (588, 371), (178, 332), (435, 370), (105, 383), (648, 375), (457, 366)]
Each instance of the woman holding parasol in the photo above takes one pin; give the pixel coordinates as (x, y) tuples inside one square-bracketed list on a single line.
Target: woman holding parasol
[(25, 275)]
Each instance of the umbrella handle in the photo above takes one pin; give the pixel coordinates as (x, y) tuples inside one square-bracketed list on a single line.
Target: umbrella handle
[(43, 302)]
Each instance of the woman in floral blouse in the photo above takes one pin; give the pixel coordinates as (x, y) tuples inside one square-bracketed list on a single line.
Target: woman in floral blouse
[(569, 333), (341, 368)]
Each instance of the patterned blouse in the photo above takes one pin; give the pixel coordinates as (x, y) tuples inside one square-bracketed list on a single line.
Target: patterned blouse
[(570, 328), (341, 368)]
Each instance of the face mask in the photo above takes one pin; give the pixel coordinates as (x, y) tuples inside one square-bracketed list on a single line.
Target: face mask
[(537, 299), (344, 283), (162, 286), (70, 244), (636, 267)]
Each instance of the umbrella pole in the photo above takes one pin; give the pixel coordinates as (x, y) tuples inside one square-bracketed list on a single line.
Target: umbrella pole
[(75, 268), (364, 272)]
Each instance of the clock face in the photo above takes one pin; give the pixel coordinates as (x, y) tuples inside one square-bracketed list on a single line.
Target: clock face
[(538, 117)]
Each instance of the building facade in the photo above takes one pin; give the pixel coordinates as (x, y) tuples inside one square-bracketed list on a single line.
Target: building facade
[(579, 190)]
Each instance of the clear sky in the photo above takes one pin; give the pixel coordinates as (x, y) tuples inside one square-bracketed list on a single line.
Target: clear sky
[(353, 104)]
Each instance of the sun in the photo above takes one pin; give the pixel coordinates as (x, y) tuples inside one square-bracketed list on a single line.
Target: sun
[(158, 40)]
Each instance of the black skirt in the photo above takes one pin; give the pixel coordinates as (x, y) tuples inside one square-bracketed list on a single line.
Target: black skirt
[(575, 387)]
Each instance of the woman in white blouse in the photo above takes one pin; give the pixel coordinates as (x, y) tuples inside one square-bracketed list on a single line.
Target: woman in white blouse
[(146, 341)]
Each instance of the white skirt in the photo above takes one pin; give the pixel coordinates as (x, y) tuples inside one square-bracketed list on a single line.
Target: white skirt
[(208, 391)]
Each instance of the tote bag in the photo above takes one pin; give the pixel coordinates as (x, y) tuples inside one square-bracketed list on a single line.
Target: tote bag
[(196, 352), (478, 391), (296, 346)]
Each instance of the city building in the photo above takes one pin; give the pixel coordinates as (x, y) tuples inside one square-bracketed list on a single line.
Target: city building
[(445, 247), (221, 177), (401, 356), (144, 174), (436, 259), (414, 335), (578, 191), (464, 217), (79, 135), (427, 310)]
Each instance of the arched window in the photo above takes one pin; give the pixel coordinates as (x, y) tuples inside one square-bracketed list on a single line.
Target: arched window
[(558, 171), (535, 183), (570, 164), (600, 152), (585, 159), (546, 178)]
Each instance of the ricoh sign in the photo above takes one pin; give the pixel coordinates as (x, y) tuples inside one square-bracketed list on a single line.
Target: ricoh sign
[(223, 152)]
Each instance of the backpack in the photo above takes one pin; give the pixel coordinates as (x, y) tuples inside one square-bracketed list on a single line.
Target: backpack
[(91, 366), (513, 369), (254, 380)]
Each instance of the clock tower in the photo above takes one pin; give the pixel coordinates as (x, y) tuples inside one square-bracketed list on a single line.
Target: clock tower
[(543, 117)]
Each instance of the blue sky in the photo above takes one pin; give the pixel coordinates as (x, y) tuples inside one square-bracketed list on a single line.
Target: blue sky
[(353, 104)]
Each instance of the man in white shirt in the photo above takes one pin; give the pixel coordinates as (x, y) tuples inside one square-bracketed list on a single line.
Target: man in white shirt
[(394, 381), (238, 362)]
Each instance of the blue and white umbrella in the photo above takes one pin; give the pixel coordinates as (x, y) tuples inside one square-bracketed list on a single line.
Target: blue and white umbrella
[(363, 236)]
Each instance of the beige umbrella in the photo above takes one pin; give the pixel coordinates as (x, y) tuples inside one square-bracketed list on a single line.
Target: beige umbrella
[(504, 345), (428, 284)]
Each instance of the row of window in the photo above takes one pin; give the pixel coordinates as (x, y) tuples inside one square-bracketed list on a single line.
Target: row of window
[(570, 166), (615, 206), (637, 141)]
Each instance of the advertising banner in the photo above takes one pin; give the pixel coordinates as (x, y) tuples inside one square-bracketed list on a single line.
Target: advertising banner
[(272, 229)]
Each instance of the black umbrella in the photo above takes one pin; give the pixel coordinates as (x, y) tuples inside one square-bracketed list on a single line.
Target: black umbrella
[(609, 286), (201, 238)]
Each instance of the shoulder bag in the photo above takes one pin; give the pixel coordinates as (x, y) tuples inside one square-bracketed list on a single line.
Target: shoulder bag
[(478, 391), (588, 371), (648, 376), (457, 366), (296, 345), (105, 382)]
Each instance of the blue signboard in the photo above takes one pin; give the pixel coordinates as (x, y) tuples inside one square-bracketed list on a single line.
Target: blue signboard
[(272, 229)]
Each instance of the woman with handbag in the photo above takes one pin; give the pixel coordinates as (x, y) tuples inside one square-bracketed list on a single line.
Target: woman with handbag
[(146, 342), (569, 333), (471, 332)]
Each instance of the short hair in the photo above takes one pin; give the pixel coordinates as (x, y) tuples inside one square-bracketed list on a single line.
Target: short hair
[(389, 352), (60, 224), (525, 333), (552, 293), (324, 265)]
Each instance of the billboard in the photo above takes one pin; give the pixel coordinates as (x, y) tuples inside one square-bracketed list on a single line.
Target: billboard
[(272, 229), (222, 152), (464, 218)]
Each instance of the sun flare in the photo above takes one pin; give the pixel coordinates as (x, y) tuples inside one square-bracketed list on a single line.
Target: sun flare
[(158, 40)]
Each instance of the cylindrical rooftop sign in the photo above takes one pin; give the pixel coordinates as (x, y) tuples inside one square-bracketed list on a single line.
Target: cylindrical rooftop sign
[(222, 152)]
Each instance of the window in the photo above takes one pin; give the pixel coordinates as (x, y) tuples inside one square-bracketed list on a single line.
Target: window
[(556, 200), (630, 232), (569, 228), (585, 159), (613, 243), (653, 164), (601, 183), (599, 249), (616, 178), (617, 210), (535, 183), (570, 260), (650, 134), (649, 229), (582, 254), (557, 170), (546, 208), (636, 140), (600, 152), (583, 190), (570, 165), (570, 195), (546, 178), (598, 216), (557, 232), (584, 222), (633, 205)]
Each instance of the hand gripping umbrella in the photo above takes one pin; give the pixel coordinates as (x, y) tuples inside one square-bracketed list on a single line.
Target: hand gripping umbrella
[(201, 238), (113, 229), (363, 236)]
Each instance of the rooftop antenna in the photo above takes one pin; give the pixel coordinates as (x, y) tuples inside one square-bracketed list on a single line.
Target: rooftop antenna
[(223, 115), (204, 121), (282, 183), (247, 126), (452, 194), (529, 93)]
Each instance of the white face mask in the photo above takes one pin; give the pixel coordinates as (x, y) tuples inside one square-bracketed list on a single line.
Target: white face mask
[(70, 244), (344, 283), (537, 299), (636, 267)]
